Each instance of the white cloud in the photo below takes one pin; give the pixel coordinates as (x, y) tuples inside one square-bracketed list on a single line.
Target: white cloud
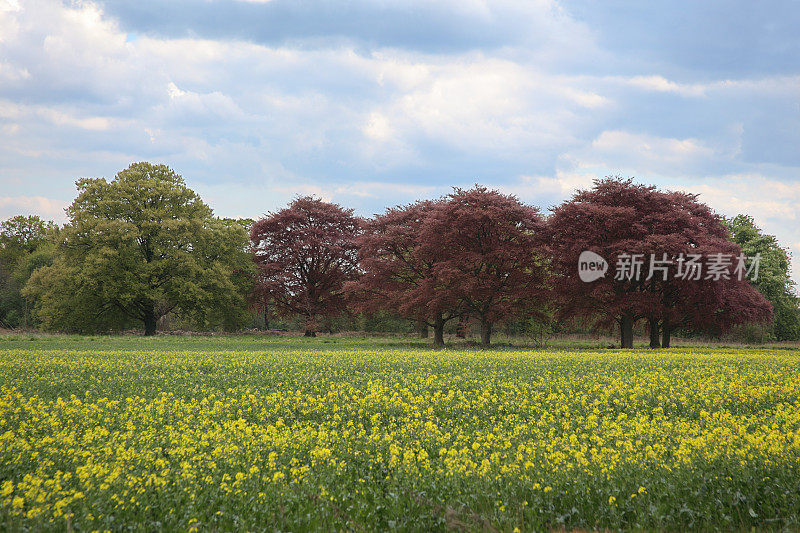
[(642, 154), (48, 208), (650, 147), (62, 116), (9, 72), (774, 205), (767, 200), (378, 127), (661, 84), (534, 188), (213, 103), (59, 118), (765, 85), (379, 190), (480, 103)]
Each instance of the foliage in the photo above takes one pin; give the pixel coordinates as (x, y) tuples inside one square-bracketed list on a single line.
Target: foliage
[(491, 249), (619, 217), (474, 253), (23, 247), (232, 434), (401, 270), (774, 276), (304, 255), (135, 249), (227, 250)]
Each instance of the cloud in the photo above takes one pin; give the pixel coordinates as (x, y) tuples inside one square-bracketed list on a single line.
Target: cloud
[(400, 192), (366, 198), (546, 191), (661, 84), (378, 127), (651, 148), (447, 26), (767, 200), (643, 154), (774, 205), (49, 208), (706, 40), (488, 107)]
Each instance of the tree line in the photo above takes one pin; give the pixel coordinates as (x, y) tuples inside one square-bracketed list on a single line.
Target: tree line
[(143, 246)]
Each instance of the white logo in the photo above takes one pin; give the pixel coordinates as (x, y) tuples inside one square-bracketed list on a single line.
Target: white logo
[(591, 266)]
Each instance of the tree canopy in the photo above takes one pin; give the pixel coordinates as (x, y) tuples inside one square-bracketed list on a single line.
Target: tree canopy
[(492, 256), (621, 221), (774, 278), (400, 271), (24, 246), (476, 253), (136, 248), (304, 255)]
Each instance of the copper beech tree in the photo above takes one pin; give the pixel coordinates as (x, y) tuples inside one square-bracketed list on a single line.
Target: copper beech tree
[(492, 253), (304, 254), (618, 219), (399, 272), (475, 252)]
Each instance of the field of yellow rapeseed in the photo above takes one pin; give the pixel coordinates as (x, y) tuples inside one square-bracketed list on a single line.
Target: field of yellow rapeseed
[(312, 435)]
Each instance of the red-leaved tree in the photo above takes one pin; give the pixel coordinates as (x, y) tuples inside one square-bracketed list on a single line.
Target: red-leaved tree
[(400, 271), (709, 305), (492, 253), (617, 219), (304, 255)]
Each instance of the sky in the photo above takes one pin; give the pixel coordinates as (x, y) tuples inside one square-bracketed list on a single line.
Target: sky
[(376, 103)]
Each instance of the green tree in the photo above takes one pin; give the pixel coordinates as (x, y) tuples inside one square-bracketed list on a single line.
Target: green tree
[(228, 247), (136, 248), (774, 277), (21, 238)]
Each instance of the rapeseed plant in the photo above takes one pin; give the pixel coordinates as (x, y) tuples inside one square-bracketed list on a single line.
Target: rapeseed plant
[(314, 438)]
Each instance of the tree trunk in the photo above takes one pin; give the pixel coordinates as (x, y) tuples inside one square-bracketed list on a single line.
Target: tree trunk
[(486, 332), (309, 333), (150, 322), (463, 324), (422, 329), (438, 332), (666, 332), (653, 324), (266, 315), (626, 331)]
